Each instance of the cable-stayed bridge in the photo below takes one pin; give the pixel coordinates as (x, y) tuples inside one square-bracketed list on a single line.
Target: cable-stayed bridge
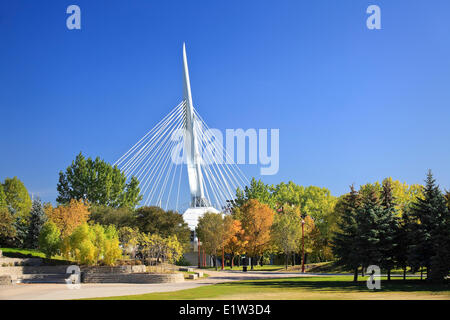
[(183, 141)]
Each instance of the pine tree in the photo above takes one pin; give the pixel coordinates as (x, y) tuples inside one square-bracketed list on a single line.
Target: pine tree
[(389, 227), (371, 225), (21, 227), (345, 239), (36, 221), (430, 232)]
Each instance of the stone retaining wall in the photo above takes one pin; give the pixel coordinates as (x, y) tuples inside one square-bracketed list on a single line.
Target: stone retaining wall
[(15, 272), (132, 277), (11, 262), (115, 270), (5, 281)]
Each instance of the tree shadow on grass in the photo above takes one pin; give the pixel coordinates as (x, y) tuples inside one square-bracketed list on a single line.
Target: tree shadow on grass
[(336, 285)]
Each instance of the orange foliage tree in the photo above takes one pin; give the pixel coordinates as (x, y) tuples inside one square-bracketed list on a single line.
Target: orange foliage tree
[(68, 217), (256, 219), (236, 243)]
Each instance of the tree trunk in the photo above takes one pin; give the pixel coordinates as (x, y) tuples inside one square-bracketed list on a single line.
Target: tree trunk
[(389, 274), (251, 262), (215, 260), (421, 273), (362, 271), (286, 264), (404, 273), (232, 262), (355, 275)]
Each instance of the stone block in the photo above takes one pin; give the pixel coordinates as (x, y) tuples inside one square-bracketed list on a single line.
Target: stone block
[(5, 280)]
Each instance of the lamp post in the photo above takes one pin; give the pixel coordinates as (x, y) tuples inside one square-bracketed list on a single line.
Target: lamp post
[(198, 249), (303, 245)]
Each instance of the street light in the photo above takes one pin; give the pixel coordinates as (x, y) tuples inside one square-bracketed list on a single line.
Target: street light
[(303, 246)]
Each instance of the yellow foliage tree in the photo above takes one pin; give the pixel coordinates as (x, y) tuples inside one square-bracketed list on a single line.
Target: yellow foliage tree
[(236, 242), (256, 219), (68, 217)]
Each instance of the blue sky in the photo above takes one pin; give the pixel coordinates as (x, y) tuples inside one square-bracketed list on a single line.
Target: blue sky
[(353, 105)]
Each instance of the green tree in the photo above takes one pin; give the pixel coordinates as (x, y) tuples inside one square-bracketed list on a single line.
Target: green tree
[(345, 245), (430, 232), (286, 232), (119, 217), (155, 220), (257, 190), (49, 239), (210, 231), (318, 204), (17, 196), (98, 182), (36, 221), (388, 228), (372, 225)]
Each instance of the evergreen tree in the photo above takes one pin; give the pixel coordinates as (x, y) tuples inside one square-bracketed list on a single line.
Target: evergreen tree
[(345, 240), (21, 226), (429, 235), (37, 220), (371, 224), (402, 242), (389, 227)]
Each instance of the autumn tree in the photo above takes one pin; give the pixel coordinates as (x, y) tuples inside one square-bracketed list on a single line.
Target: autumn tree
[(68, 217), (3, 203), (129, 238), (256, 219), (99, 182), (7, 230), (236, 242)]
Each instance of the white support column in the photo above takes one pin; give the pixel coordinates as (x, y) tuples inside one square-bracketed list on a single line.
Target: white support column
[(193, 157)]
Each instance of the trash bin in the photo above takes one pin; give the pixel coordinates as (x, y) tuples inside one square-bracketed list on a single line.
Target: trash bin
[(244, 268)]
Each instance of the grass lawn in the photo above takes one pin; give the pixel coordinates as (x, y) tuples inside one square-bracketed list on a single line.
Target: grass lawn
[(26, 253), (255, 268), (301, 288)]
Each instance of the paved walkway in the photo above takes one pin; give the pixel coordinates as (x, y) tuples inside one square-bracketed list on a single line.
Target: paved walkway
[(61, 292)]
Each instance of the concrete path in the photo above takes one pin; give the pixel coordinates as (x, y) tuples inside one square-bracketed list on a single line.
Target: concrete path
[(62, 292)]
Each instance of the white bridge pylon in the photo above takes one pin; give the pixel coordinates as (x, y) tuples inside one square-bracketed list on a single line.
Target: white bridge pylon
[(181, 138)]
